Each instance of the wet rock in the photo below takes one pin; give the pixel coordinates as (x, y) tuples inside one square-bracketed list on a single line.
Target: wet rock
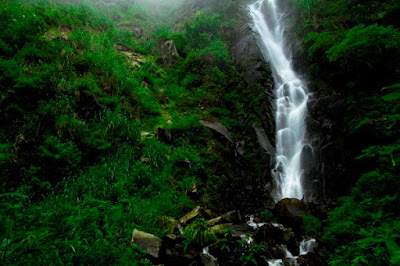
[(214, 221), (232, 217), (289, 207), (279, 233), (310, 259), (313, 180), (238, 230), (263, 140), (208, 259), (290, 212), (248, 56), (313, 126), (190, 216), (148, 242), (175, 255)]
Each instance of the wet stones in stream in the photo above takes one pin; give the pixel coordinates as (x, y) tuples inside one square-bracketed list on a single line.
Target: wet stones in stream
[(229, 238)]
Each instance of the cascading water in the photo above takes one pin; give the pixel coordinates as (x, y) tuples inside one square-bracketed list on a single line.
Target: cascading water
[(291, 100)]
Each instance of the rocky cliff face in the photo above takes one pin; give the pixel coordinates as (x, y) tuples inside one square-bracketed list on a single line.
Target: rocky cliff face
[(329, 156), (257, 75)]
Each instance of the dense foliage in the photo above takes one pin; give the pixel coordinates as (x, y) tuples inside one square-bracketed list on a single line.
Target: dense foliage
[(353, 50), (87, 108), (100, 133)]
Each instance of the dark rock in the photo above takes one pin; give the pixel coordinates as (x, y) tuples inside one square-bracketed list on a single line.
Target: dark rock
[(291, 208), (175, 255), (312, 176), (278, 233), (219, 127), (238, 230), (263, 140), (310, 259), (290, 212), (208, 259), (167, 53), (232, 217)]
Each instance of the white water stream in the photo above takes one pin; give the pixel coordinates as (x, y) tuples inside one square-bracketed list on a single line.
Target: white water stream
[(291, 99)]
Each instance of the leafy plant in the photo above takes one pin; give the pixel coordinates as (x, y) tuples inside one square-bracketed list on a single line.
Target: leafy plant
[(65, 155), (311, 225), (198, 234), (266, 215)]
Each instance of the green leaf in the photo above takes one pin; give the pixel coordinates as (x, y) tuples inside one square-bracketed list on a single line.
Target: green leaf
[(13, 195), (394, 86), (393, 96), (6, 242)]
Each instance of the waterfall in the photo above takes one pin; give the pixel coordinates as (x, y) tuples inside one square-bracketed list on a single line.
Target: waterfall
[(291, 100), (307, 246)]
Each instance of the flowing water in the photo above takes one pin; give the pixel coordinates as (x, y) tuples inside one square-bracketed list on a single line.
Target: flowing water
[(307, 246), (291, 99)]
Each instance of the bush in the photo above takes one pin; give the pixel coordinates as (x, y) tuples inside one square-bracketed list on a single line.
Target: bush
[(266, 215), (366, 45), (64, 156), (198, 234), (311, 225)]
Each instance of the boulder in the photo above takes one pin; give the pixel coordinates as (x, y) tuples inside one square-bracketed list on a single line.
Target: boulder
[(167, 53), (148, 242), (218, 229), (279, 233), (208, 259), (310, 259), (263, 140), (290, 212), (238, 230), (291, 208), (232, 217), (214, 221), (175, 255)]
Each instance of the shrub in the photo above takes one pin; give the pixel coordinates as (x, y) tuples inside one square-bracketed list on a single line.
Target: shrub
[(63, 156), (266, 215), (311, 225), (198, 234)]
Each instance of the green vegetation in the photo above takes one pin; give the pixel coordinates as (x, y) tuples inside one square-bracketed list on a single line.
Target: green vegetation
[(100, 109), (353, 48), (198, 234), (266, 215), (311, 225), (100, 127)]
